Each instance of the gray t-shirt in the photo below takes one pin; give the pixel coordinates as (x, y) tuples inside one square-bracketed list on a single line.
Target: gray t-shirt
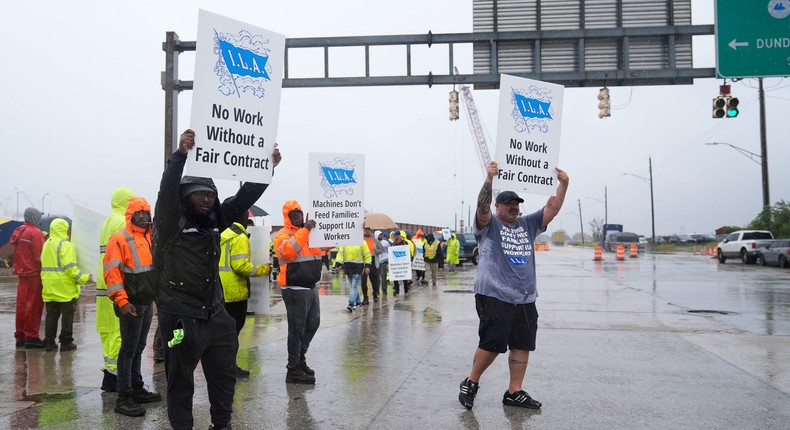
[(506, 270)]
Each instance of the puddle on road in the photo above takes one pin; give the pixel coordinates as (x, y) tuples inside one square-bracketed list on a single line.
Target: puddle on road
[(710, 311)]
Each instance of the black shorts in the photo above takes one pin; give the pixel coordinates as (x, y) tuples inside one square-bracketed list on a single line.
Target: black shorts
[(504, 325)]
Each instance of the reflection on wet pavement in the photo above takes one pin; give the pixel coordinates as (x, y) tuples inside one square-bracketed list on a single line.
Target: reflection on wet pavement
[(397, 363)]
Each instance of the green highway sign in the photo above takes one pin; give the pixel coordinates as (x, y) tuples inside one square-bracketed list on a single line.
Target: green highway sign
[(752, 38)]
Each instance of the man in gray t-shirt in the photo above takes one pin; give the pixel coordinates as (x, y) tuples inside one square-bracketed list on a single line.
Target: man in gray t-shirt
[(506, 287), (506, 270)]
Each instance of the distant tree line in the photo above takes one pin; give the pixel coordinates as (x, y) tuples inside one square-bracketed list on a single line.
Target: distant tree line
[(775, 219)]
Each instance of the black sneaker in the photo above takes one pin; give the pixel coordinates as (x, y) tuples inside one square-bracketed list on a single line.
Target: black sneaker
[(126, 406), (141, 395), (34, 343), (109, 383), (20, 343), (521, 399), (298, 376), (468, 393), (241, 373)]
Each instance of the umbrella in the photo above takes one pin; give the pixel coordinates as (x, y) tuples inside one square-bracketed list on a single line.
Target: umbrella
[(47, 220), (379, 221), (256, 211), (7, 228)]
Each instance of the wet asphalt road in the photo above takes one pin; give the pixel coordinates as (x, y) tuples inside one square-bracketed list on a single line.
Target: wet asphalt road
[(660, 341)]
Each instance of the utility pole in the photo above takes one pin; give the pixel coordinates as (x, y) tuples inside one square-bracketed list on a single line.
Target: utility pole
[(764, 147), (581, 223), (652, 205), (649, 181)]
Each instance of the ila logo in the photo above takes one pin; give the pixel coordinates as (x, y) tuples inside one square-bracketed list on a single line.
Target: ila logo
[(242, 63), (531, 108), (338, 177)]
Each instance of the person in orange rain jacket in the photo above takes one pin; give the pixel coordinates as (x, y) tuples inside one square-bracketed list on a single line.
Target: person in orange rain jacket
[(300, 271), (131, 285)]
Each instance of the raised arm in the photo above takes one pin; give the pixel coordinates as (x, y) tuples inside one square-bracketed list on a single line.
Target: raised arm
[(554, 204), (483, 213), (248, 194), (168, 200)]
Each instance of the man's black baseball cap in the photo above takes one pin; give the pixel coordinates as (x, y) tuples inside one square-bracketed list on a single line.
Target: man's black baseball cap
[(506, 196)]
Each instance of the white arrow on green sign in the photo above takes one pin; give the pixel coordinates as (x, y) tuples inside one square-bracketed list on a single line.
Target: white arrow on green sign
[(752, 38)]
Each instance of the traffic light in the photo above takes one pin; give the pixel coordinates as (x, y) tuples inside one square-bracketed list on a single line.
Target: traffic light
[(453, 105), (725, 105), (604, 105), (732, 107), (719, 103)]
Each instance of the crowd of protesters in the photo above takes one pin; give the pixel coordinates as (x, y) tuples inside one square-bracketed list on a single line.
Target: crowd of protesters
[(190, 267)]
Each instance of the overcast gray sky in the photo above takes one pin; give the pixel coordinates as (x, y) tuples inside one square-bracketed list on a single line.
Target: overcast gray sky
[(82, 114)]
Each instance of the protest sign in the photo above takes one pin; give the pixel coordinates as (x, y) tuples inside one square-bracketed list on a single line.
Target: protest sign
[(259, 254), (336, 198), (419, 257), (85, 236), (528, 135), (399, 262), (235, 99)]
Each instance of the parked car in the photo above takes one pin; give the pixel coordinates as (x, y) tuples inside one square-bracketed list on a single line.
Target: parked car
[(681, 239), (776, 253), (468, 247), (703, 238), (744, 244)]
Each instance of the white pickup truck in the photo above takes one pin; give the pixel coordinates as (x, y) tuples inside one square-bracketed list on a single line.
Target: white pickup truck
[(744, 244)]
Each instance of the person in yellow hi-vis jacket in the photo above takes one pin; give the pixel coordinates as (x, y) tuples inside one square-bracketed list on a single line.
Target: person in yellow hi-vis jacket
[(453, 251), (106, 321), (61, 279), (235, 269), (355, 260)]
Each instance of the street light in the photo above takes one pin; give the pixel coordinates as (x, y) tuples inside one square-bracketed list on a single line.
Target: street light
[(752, 156), (605, 204), (652, 204), (42, 201), (757, 159)]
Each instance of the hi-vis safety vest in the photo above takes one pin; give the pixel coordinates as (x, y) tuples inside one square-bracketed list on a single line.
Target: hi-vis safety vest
[(235, 266), (359, 254), (431, 249)]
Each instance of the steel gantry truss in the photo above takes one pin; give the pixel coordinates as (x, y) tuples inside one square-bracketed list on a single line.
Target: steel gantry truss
[(576, 74)]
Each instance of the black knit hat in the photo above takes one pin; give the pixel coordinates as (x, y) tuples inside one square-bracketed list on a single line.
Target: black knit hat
[(193, 184)]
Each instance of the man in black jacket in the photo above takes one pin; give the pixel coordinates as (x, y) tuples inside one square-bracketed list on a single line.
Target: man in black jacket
[(188, 223)]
